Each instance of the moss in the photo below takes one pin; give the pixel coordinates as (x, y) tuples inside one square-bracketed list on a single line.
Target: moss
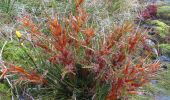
[(158, 23), (162, 31), (164, 80), (165, 46), (164, 12), (13, 53), (161, 27), (4, 92), (164, 9)]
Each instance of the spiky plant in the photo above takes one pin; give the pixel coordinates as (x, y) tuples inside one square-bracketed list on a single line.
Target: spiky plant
[(73, 63)]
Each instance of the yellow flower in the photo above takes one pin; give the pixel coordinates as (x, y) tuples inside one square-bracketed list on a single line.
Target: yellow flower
[(22, 44), (18, 34)]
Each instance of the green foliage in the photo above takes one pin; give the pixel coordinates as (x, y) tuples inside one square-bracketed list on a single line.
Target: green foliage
[(165, 46), (5, 18), (9, 54), (6, 6), (15, 53), (164, 80), (165, 49), (161, 27), (4, 92), (141, 97), (164, 12), (102, 91), (120, 5), (6, 10)]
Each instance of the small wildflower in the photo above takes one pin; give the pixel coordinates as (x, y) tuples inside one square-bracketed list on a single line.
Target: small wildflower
[(22, 44), (18, 34)]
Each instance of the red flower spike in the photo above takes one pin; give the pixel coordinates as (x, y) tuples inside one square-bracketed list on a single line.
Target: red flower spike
[(34, 78), (46, 48), (75, 26), (55, 28), (126, 70), (78, 2), (133, 41), (89, 32), (29, 24), (132, 92)]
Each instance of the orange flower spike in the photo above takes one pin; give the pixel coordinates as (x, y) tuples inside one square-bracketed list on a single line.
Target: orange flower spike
[(132, 92), (26, 21), (78, 2), (46, 48), (89, 32), (64, 38), (62, 42), (155, 66), (54, 22), (34, 30), (34, 77), (55, 28), (126, 70), (111, 44), (128, 26), (142, 70), (20, 70), (57, 47), (132, 42), (29, 24), (4, 72), (112, 94), (75, 26), (79, 21), (133, 71), (121, 57), (37, 80), (120, 83), (82, 14)]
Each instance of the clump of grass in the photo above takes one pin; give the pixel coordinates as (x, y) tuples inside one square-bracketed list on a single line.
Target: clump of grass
[(6, 6)]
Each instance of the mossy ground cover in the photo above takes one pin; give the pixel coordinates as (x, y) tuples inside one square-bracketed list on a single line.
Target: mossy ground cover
[(5, 93), (161, 28), (164, 12)]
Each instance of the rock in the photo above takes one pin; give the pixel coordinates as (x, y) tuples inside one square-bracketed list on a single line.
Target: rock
[(153, 45), (164, 59), (162, 97), (164, 66), (154, 81)]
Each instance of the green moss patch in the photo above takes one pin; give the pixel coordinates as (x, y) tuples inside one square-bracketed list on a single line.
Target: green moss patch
[(4, 92), (164, 12), (165, 46), (161, 27)]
